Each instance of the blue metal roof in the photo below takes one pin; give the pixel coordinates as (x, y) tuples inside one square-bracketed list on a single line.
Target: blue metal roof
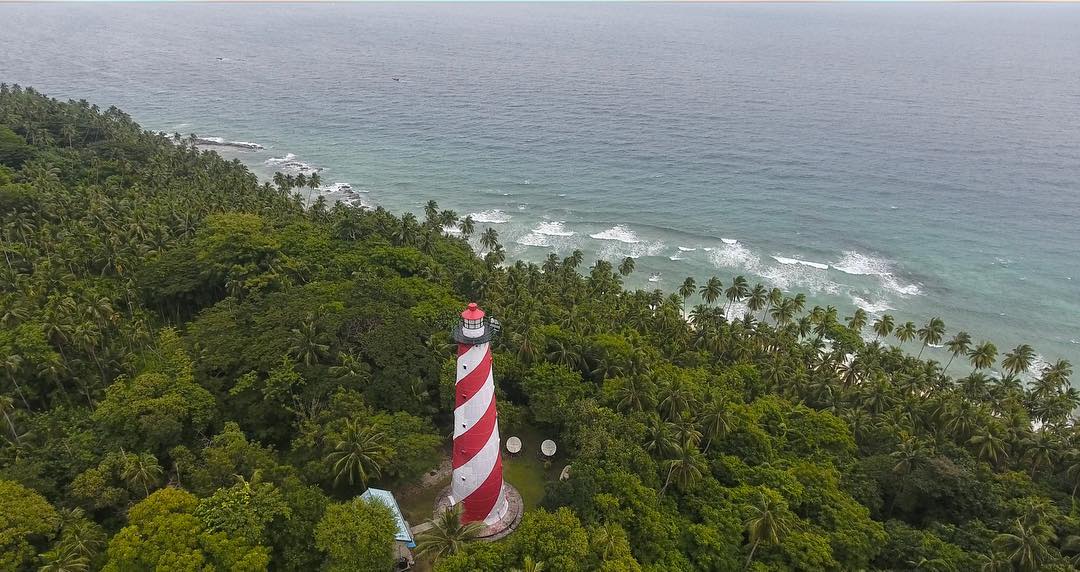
[(387, 498)]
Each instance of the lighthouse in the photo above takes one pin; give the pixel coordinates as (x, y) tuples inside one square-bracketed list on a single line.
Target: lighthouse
[(477, 466)]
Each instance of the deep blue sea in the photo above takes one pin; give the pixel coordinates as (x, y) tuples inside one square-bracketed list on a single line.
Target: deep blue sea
[(920, 159)]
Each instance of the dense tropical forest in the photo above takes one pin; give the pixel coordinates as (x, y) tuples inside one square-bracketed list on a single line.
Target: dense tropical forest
[(202, 372)]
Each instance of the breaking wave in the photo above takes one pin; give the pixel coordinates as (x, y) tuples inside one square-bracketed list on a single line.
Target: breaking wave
[(618, 233)]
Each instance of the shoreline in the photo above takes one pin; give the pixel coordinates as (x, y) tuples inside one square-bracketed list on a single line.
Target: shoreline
[(847, 282)]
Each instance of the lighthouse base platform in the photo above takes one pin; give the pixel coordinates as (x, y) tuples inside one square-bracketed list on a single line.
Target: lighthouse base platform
[(501, 527)]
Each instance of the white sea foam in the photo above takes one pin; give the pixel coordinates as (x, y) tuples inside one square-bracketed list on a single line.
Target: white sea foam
[(859, 264), (675, 257), (552, 228), (289, 164), (872, 307), (785, 260), (493, 216), (729, 240), (617, 250), (734, 256), (533, 239), (451, 229), (548, 234), (686, 249), (618, 233), (222, 142)]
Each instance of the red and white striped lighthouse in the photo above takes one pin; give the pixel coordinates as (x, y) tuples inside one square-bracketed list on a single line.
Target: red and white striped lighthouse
[(477, 478)]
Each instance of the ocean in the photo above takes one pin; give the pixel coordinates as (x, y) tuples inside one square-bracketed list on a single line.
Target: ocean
[(917, 159)]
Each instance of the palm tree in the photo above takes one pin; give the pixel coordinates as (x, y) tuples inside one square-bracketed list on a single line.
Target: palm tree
[(431, 213), (626, 267), (309, 343), (530, 565), (468, 226), (908, 455), (714, 420), (684, 469), (1027, 546), (489, 239), (757, 299), (689, 286), (738, 290), (141, 470), (931, 333), (905, 333), (1019, 360), (1057, 374), (883, 326), (7, 406), (765, 525), (575, 259), (958, 344), (448, 535), (711, 290), (359, 453), (1041, 448), (989, 445), (857, 321), (982, 356)]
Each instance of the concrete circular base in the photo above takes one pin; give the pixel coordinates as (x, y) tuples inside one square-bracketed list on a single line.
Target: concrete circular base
[(500, 528)]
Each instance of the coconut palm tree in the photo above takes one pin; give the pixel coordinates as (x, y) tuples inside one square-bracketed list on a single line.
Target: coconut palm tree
[(982, 356), (931, 333), (757, 299), (715, 420), (575, 259), (489, 239), (626, 267), (309, 342), (883, 326), (530, 565), (766, 524), (358, 454), (857, 321), (738, 290), (1019, 360), (141, 470), (684, 469), (905, 333), (467, 226), (1057, 374), (908, 455), (1040, 449), (431, 213), (711, 290), (1027, 546), (7, 407), (958, 344), (689, 286), (448, 535), (989, 445)]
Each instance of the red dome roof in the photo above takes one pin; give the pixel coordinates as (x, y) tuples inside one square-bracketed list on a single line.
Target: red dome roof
[(473, 312)]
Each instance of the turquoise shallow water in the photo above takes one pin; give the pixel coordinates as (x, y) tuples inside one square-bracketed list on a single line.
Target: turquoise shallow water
[(911, 158)]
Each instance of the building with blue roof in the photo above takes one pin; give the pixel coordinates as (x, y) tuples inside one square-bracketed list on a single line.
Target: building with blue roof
[(387, 498)]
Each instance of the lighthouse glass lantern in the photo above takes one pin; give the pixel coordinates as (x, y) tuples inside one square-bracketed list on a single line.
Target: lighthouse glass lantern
[(472, 326)]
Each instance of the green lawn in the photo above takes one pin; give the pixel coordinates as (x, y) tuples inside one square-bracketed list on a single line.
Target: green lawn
[(525, 472), (527, 475), (419, 504)]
